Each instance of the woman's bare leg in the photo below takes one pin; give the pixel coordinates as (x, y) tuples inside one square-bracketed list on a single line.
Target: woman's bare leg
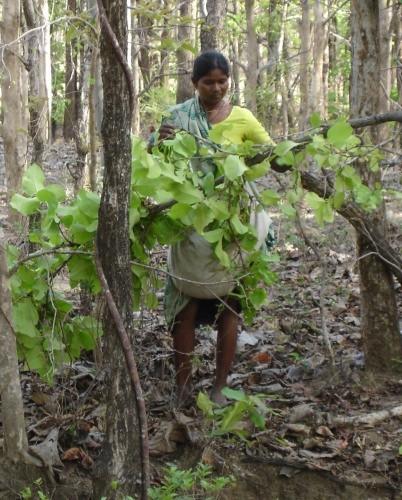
[(228, 323), (183, 344)]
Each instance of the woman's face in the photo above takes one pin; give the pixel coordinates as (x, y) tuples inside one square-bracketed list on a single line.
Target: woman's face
[(212, 87)]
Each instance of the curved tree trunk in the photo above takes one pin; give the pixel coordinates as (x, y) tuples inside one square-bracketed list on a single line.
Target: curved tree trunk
[(381, 338), (121, 454)]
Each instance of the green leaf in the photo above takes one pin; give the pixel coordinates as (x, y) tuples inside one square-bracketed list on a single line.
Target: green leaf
[(234, 394), (179, 210), (222, 255), (258, 297), (339, 133), (233, 416), (82, 270), (238, 226), (315, 120), (25, 317), (284, 147), (36, 360), (257, 171), (52, 194), (205, 404), (323, 210), (33, 180), (201, 217), (270, 197), (400, 450), (88, 203), (213, 236), (233, 167), (26, 206)]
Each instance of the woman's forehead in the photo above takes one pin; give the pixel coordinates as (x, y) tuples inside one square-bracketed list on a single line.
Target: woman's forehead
[(215, 74)]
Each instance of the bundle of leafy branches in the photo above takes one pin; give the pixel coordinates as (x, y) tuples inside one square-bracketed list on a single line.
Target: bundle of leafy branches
[(168, 199)]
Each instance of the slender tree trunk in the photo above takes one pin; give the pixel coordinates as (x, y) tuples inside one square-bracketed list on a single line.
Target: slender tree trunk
[(12, 410), (211, 29), (121, 453), (382, 341), (319, 44), (252, 58), (305, 43), (135, 70), (185, 88), (13, 103), (70, 82), (39, 75)]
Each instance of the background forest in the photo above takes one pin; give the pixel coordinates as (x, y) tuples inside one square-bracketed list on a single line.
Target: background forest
[(85, 216)]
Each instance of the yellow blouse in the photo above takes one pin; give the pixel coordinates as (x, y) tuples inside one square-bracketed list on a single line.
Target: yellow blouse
[(241, 125)]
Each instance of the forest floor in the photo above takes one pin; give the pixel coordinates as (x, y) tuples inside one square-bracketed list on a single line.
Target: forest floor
[(307, 451)]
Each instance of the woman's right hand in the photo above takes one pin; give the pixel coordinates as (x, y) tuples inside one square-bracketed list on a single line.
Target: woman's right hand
[(166, 131)]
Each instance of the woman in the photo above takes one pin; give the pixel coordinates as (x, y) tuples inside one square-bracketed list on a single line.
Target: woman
[(208, 109)]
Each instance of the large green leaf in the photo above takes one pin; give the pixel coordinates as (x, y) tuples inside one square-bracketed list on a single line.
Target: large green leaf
[(25, 317), (24, 205), (233, 167), (33, 180), (339, 133)]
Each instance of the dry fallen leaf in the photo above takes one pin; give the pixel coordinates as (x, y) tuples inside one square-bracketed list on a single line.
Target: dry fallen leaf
[(261, 357)]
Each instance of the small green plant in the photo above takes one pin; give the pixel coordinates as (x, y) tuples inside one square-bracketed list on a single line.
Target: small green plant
[(34, 492), (235, 418), (187, 484), (400, 450)]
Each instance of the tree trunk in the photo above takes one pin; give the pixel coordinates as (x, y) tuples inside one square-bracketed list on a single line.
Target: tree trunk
[(304, 65), (121, 454), (211, 29), (252, 58), (185, 88), (39, 75), (13, 102), (70, 82), (320, 42), (12, 409), (135, 70), (382, 341)]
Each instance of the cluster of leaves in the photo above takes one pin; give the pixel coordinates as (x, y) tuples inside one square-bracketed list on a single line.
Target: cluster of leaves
[(218, 211), (49, 330), (205, 188), (190, 483), (235, 418), (335, 154)]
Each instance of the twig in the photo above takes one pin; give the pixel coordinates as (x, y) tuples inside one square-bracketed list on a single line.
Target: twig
[(323, 315), (133, 373), (367, 419)]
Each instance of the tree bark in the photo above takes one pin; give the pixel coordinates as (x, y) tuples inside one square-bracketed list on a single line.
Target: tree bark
[(121, 454), (252, 58), (12, 409), (13, 102), (320, 42), (70, 82), (185, 88), (39, 75), (305, 42), (382, 341), (211, 29)]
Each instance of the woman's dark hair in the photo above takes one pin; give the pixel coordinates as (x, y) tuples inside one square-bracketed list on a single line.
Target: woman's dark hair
[(206, 62)]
